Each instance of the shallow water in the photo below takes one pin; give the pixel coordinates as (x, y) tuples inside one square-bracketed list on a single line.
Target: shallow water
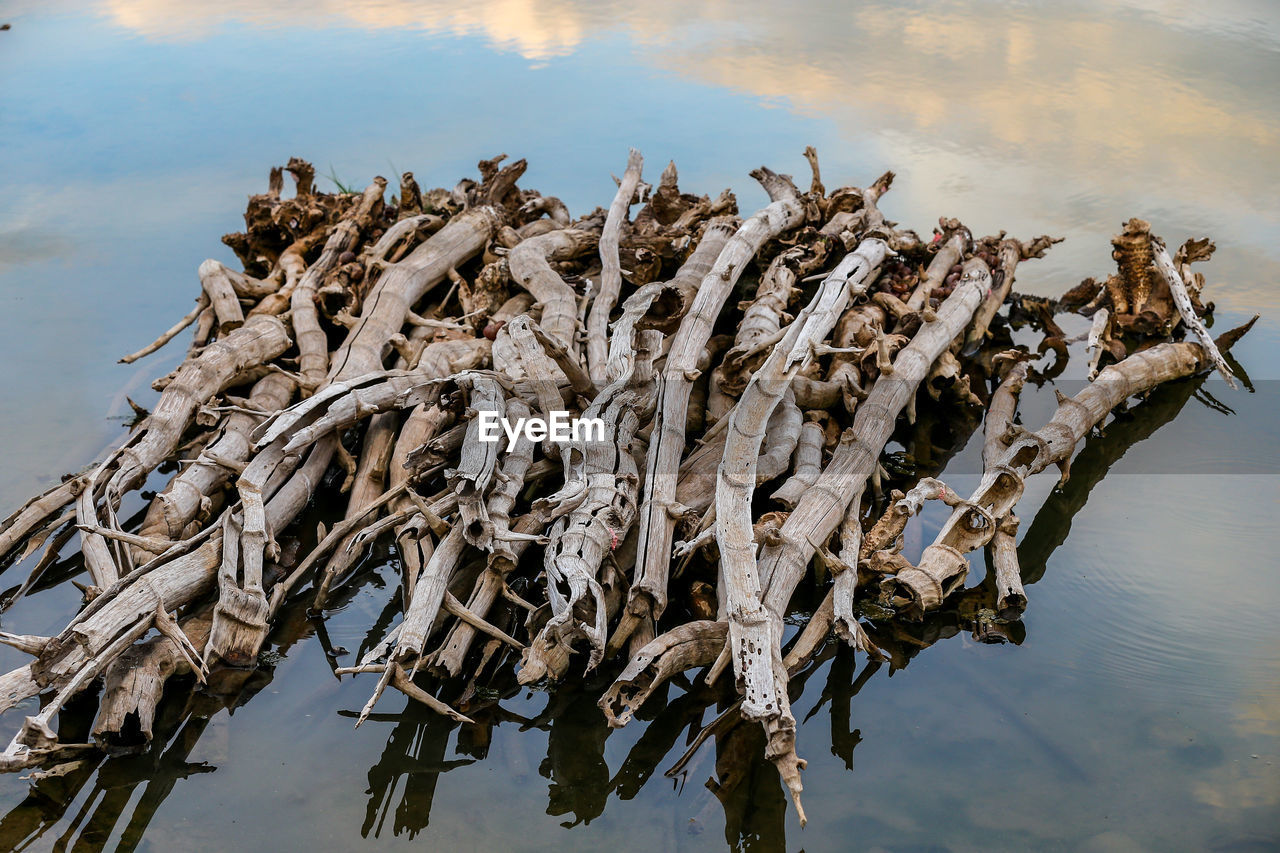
[(1142, 709)]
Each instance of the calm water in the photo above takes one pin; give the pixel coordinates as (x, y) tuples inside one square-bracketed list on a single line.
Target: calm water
[(1142, 709)]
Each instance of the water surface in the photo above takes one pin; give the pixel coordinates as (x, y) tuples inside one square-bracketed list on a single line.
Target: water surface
[(1141, 711)]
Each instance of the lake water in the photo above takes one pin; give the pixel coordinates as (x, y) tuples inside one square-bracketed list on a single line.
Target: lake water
[(1142, 709)]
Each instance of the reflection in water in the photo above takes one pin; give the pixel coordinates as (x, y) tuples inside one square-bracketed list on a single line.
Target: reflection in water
[(110, 807), (415, 754), (536, 29), (575, 762), (1052, 522)]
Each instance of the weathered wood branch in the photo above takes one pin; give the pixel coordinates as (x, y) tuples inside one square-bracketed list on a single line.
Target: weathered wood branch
[(648, 594), (943, 567), (611, 274)]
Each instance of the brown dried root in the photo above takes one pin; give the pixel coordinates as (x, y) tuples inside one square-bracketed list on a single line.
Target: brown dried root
[(1008, 252), (1139, 295), (688, 646), (671, 301), (953, 242)]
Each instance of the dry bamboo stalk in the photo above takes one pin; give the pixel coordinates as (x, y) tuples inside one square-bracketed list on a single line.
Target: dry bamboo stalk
[(808, 465), (404, 283), (955, 242), (372, 473), (1009, 253), (478, 461), (428, 597), (158, 435), (508, 482), (187, 494), (134, 682), (1010, 596), (755, 642), (224, 300), (258, 341), (1098, 332), (240, 616), (1000, 415), (36, 512)]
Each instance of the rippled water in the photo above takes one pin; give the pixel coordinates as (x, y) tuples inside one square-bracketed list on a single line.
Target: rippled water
[(1142, 709)]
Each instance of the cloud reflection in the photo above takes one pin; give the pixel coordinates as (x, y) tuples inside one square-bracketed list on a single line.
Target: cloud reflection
[(1149, 99), (536, 29)]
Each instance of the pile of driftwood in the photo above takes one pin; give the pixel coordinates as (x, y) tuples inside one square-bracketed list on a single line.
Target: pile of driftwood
[(749, 373)]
